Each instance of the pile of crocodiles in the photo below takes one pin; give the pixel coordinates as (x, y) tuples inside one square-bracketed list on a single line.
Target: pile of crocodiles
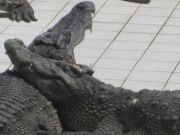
[(48, 93)]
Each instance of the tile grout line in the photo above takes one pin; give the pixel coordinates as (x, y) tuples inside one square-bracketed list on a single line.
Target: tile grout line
[(101, 7), (56, 15), (134, 23), (127, 59), (115, 37), (100, 30), (178, 63), (151, 42), (157, 16), (4, 29)]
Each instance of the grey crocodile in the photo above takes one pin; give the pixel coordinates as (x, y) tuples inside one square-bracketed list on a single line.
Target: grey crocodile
[(18, 10), (35, 115), (87, 106), (59, 41), (23, 110)]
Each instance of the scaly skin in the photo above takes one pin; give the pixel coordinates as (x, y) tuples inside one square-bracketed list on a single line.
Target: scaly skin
[(23, 110), (5, 3), (59, 41), (87, 106), (139, 1)]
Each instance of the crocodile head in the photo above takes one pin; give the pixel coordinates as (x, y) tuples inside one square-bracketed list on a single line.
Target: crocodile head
[(85, 10), (38, 71)]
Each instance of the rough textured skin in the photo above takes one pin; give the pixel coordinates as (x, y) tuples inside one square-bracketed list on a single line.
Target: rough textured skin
[(87, 106), (59, 41), (5, 3), (139, 1), (18, 10), (23, 110)]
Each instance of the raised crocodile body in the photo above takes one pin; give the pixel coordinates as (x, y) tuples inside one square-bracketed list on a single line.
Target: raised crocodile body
[(87, 106), (59, 41), (23, 110)]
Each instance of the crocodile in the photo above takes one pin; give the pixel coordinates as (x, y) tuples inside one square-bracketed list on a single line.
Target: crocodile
[(87, 106), (18, 10), (59, 41), (23, 109), (35, 115)]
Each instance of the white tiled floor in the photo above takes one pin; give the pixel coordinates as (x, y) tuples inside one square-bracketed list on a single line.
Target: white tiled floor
[(132, 45)]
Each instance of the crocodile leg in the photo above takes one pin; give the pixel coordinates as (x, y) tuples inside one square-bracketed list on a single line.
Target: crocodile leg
[(18, 10)]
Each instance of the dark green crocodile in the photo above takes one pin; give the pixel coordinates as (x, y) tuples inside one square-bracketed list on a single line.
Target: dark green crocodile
[(87, 106)]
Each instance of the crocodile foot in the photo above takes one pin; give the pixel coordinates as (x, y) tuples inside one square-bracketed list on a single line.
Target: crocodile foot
[(23, 12)]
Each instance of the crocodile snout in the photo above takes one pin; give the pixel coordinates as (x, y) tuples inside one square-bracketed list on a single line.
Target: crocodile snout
[(11, 44)]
